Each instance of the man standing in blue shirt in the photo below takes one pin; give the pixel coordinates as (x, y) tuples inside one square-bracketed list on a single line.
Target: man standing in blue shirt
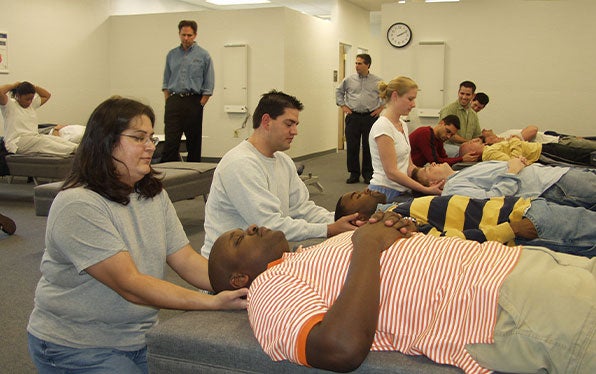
[(188, 81), (358, 97)]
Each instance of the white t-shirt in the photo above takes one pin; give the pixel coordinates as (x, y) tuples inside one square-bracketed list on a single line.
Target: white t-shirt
[(19, 121), (72, 133), (383, 126), (250, 188)]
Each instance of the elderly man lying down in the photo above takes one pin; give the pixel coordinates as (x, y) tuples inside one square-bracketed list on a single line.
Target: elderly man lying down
[(478, 306), (508, 220)]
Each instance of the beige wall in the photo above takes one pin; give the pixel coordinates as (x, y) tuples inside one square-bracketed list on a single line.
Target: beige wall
[(287, 51), (139, 44), (82, 55), (60, 45), (534, 58), (308, 64)]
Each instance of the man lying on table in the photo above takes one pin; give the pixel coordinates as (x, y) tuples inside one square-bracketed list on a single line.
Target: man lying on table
[(478, 306), (561, 185), (508, 220)]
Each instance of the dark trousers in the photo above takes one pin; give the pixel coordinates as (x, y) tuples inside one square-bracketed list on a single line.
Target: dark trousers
[(183, 115), (565, 153), (357, 130)]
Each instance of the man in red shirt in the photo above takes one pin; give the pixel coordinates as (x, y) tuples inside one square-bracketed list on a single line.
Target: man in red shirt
[(427, 143)]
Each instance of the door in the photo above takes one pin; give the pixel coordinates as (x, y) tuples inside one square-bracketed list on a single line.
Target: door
[(343, 53)]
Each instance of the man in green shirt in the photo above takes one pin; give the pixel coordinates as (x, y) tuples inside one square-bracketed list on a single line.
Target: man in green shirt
[(468, 119)]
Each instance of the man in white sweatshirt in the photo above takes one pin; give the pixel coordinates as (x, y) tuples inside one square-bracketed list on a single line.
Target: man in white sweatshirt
[(255, 182)]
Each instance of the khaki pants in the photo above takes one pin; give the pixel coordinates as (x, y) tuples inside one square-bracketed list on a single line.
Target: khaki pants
[(547, 316), (46, 144)]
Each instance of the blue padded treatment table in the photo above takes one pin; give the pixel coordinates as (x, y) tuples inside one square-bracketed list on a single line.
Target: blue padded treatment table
[(182, 180), (223, 342)]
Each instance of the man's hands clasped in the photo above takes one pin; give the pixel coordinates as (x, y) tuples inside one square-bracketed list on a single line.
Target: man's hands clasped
[(383, 229)]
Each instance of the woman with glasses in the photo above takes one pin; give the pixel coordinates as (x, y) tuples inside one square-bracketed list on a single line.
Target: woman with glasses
[(109, 232)]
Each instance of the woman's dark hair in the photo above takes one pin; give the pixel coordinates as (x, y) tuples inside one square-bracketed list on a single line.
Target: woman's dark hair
[(24, 88), (94, 166)]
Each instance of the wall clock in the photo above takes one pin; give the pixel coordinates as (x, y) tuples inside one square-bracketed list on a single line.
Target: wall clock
[(399, 34)]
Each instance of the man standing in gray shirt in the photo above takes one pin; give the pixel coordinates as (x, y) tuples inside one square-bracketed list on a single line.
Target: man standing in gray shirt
[(358, 97)]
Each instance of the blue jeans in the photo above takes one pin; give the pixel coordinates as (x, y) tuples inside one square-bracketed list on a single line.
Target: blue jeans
[(577, 187), (54, 358), (393, 196), (562, 228)]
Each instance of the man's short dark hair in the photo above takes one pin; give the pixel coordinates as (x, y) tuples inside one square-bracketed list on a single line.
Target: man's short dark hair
[(482, 98), (451, 119), (468, 84), (219, 268), (187, 23), (417, 178), (274, 103), (24, 88), (340, 209), (365, 57)]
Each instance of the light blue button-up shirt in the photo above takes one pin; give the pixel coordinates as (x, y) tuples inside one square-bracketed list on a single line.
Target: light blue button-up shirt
[(189, 71), (359, 92), (490, 179)]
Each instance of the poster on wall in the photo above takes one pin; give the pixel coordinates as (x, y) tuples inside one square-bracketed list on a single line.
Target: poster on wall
[(3, 52)]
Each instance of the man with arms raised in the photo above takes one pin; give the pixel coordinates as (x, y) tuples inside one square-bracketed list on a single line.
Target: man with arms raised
[(256, 182), (531, 151)]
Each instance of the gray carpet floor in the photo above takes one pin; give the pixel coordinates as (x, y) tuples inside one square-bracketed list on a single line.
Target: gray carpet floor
[(21, 253)]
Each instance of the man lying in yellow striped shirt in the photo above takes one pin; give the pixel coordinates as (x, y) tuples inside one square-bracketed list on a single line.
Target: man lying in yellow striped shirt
[(509, 220)]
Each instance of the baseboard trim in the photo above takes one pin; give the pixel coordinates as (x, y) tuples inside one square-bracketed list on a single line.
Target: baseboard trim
[(316, 154)]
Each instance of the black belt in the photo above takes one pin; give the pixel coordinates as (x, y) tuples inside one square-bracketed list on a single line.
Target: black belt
[(184, 94), (362, 113)]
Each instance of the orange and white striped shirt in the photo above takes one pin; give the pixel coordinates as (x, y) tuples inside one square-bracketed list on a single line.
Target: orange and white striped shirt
[(437, 295)]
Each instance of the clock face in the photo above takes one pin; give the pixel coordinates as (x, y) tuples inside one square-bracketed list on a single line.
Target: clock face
[(399, 35)]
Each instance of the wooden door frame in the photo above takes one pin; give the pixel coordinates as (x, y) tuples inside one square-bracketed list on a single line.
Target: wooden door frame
[(342, 57)]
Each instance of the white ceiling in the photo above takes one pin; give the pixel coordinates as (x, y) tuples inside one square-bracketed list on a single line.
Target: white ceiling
[(319, 8)]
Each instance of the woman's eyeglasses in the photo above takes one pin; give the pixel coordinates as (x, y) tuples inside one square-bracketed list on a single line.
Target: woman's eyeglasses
[(143, 139)]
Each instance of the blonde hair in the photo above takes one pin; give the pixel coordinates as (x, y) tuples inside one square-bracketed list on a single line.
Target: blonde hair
[(401, 85)]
